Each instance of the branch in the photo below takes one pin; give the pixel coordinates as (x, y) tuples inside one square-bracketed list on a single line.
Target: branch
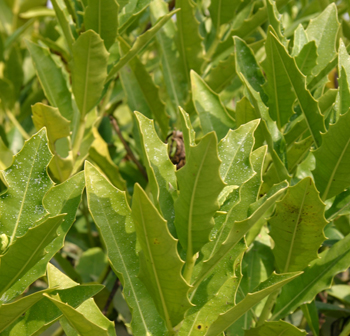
[(127, 148)]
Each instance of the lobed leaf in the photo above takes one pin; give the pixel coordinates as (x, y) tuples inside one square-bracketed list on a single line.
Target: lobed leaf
[(272, 284), (61, 199), (234, 151), (28, 181), (160, 170), (10, 312), (79, 322), (290, 78), (160, 264), (111, 213), (197, 203), (275, 329), (297, 227), (332, 159), (316, 278), (25, 252), (212, 113), (324, 29)]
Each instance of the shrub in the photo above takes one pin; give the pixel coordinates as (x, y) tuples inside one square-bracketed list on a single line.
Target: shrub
[(201, 150)]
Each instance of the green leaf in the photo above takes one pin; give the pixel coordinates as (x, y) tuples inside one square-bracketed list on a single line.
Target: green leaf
[(299, 41), (307, 58), (237, 232), (297, 152), (297, 227), (80, 323), (57, 127), (272, 284), (111, 213), (160, 264), (143, 94), (316, 278), (311, 314), (174, 75), (222, 12), (138, 45), (91, 264), (296, 83), (28, 182), (324, 30), (14, 70), (234, 151), (25, 252), (65, 21), (44, 313), (160, 170), (211, 303), (52, 80), (11, 311), (188, 132), (189, 40), (220, 76), (102, 17), (212, 113), (131, 12), (200, 185), (332, 159), (271, 133), (275, 19), (89, 70), (6, 156), (99, 153), (245, 113), (341, 292), (343, 96), (238, 210), (248, 66), (61, 199), (275, 329)]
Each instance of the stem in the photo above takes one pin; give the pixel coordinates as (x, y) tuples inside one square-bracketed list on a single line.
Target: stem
[(265, 314), (346, 330), (59, 332), (79, 138), (190, 261), (85, 212), (15, 122), (111, 295), (127, 148)]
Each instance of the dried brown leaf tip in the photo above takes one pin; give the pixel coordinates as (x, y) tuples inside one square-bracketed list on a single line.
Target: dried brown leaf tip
[(176, 148)]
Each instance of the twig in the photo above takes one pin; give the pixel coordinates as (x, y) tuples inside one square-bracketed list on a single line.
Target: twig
[(111, 295), (127, 148)]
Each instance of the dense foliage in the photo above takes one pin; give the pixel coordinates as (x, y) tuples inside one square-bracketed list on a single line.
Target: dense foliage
[(174, 168)]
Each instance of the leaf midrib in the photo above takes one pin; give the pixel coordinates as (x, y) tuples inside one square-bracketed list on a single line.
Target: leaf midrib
[(295, 231), (189, 232), (25, 192), (15, 278), (324, 196), (121, 257), (297, 96), (159, 287), (86, 79), (309, 285)]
